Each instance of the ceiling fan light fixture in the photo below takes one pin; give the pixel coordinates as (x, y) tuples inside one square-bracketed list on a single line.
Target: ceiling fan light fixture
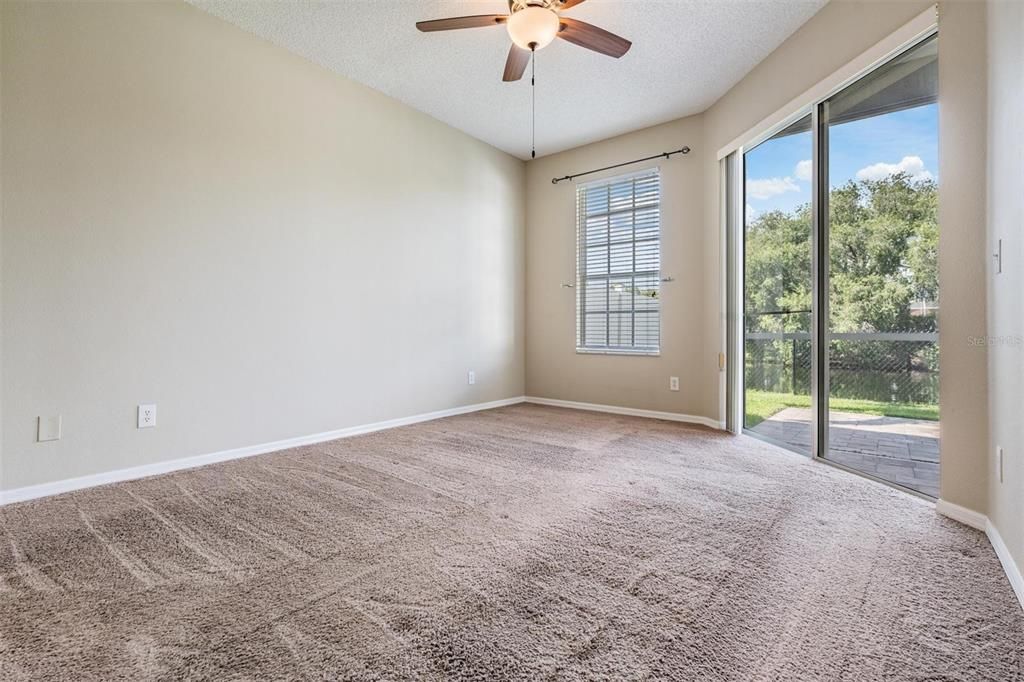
[(533, 28)]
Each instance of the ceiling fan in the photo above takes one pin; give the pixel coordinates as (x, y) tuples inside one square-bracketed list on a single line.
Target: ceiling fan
[(532, 25)]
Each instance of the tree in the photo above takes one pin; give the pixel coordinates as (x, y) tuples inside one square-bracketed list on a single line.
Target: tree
[(883, 245)]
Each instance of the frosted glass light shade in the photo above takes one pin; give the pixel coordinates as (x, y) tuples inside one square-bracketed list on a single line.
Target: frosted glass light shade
[(533, 25)]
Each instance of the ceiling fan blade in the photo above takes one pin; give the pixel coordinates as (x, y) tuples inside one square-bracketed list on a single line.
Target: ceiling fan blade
[(515, 65), (593, 38), (476, 21), (569, 4)]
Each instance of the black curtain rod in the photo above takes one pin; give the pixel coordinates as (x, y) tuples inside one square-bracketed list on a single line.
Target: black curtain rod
[(663, 155)]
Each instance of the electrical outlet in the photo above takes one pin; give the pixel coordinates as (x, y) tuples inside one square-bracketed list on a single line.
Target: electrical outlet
[(147, 416), (673, 383), (48, 428), (471, 378), (999, 463)]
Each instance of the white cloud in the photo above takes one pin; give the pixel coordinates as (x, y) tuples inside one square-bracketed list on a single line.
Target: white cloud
[(803, 170), (912, 165), (752, 214), (767, 188)]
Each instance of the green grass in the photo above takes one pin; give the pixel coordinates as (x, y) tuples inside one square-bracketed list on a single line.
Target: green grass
[(761, 405)]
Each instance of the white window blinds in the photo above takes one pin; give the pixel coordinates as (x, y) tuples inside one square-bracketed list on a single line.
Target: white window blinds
[(619, 264)]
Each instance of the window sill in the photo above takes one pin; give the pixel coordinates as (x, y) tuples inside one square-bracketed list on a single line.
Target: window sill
[(617, 351)]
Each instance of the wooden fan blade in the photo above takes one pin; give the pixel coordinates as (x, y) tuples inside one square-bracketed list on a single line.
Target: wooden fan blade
[(569, 4), (452, 23), (515, 65), (593, 38)]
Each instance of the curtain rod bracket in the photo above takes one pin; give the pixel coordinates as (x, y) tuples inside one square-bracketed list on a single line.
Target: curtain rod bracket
[(663, 155)]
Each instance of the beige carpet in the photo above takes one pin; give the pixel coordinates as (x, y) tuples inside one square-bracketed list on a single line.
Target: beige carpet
[(525, 542)]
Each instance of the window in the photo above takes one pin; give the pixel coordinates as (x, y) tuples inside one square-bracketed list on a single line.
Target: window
[(619, 264)]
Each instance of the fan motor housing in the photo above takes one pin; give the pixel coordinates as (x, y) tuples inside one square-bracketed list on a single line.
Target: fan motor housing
[(519, 5)]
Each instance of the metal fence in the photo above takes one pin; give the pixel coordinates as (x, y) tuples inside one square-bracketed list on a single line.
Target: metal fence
[(900, 367)]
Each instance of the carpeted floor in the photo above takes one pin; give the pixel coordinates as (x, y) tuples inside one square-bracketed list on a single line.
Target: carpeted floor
[(524, 542)]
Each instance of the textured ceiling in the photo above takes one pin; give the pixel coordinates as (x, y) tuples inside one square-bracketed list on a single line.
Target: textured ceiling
[(685, 55)]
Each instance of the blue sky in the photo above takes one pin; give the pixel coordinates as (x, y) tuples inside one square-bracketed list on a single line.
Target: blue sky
[(868, 148)]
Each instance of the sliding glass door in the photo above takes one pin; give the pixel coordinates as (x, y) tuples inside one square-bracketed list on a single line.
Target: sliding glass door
[(840, 292), (881, 138), (777, 281)]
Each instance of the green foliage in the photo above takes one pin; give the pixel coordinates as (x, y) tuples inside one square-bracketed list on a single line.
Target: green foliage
[(883, 243), (883, 246), (778, 271)]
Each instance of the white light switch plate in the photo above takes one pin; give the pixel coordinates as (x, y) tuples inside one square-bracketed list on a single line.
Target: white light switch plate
[(147, 416), (48, 428)]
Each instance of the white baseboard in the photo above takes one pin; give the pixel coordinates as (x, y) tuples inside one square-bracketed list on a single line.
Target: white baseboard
[(981, 522), (629, 411), (966, 516), (67, 485), (1010, 566), (953, 511)]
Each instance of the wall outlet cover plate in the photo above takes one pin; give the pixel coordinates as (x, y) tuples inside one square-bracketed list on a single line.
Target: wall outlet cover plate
[(147, 416), (48, 428)]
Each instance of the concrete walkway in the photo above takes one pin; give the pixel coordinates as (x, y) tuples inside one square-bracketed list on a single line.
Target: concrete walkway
[(904, 451)]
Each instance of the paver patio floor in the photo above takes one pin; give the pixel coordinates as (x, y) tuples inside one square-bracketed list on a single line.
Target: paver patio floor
[(904, 451)]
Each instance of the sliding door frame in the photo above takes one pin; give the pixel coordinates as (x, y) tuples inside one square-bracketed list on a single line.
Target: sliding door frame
[(733, 177), (732, 181), (920, 29), (819, 281)]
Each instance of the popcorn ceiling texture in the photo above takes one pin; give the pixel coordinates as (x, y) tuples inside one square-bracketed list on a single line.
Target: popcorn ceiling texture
[(526, 542), (676, 67)]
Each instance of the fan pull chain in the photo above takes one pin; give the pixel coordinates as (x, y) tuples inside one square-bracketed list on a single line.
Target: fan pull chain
[(533, 93)]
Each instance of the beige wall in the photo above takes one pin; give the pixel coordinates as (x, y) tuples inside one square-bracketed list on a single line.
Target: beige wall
[(963, 254), (554, 369), (692, 331), (1005, 306), (1, 244), (835, 36), (186, 206), (842, 30), (693, 314), (196, 218)]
